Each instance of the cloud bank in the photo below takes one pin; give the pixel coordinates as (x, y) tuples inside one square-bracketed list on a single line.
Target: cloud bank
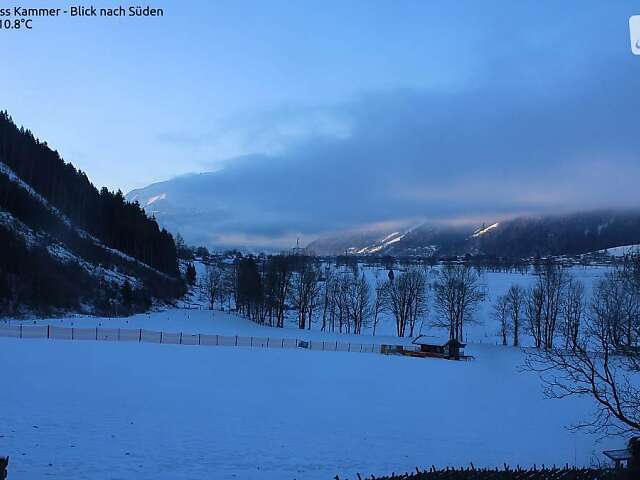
[(495, 150)]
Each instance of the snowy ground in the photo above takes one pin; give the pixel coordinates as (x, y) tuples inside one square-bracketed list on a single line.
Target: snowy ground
[(93, 410), (99, 410), (207, 321)]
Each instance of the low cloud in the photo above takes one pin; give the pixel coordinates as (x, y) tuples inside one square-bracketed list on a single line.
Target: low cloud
[(408, 155)]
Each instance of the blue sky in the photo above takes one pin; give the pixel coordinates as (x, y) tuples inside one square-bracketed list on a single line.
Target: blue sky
[(134, 101)]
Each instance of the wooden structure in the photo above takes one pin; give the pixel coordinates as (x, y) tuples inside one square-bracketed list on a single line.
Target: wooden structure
[(618, 456), (629, 456), (450, 349)]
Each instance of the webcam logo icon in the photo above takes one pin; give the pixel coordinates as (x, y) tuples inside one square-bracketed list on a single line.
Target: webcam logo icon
[(634, 29)]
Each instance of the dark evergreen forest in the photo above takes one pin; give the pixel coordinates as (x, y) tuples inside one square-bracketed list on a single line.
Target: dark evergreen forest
[(31, 277), (106, 215)]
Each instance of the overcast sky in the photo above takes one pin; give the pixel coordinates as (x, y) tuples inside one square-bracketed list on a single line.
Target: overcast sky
[(358, 111)]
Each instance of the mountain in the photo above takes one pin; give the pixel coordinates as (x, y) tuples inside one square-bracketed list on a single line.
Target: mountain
[(527, 236), (66, 245), (183, 204), (423, 240), (569, 234)]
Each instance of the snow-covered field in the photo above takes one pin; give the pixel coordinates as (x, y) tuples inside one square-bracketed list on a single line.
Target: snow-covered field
[(99, 410), (93, 410)]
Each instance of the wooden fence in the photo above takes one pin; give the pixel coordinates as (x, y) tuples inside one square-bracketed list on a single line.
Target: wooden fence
[(53, 332)]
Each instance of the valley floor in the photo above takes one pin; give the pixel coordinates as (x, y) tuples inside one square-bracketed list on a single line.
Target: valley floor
[(97, 410)]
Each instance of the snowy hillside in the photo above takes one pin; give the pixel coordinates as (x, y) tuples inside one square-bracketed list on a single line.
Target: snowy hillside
[(621, 251)]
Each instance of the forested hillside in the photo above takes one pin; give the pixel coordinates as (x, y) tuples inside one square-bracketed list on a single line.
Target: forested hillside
[(104, 214), (521, 237), (64, 245)]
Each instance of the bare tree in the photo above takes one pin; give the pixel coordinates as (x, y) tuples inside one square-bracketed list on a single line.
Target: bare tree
[(572, 312), (603, 363), (516, 297), (360, 302), (212, 284), (544, 303), (616, 302), (228, 290), (458, 291), (417, 282), (304, 290), (328, 306), (344, 299), (594, 368), (534, 311), (378, 304), (501, 315), (406, 299), (277, 284)]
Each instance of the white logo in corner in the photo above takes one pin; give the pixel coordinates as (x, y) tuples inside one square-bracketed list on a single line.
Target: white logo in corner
[(634, 28)]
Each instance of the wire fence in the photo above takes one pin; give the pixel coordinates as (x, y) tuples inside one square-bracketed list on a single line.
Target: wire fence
[(53, 332)]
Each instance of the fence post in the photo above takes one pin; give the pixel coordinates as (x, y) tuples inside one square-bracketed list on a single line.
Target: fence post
[(349, 347), (217, 340), (198, 339), (140, 336), (282, 343), (160, 337), (267, 342), (180, 338), (236, 340), (96, 333), (251, 342), (72, 334), (48, 333), (20, 330)]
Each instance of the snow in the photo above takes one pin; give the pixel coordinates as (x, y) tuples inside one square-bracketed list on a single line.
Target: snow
[(11, 175), (194, 321), (80, 409), (382, 244), (390, 237), (482, 231), (88, 410), (60, 253), (155, 198), (621, 251)]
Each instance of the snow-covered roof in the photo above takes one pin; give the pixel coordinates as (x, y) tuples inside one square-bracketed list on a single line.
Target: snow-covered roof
[(431, 340)]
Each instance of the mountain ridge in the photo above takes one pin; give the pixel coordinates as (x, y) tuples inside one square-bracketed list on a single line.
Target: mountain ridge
[(524, 236)]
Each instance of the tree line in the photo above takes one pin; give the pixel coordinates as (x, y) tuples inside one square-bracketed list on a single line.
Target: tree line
[(340, 298)]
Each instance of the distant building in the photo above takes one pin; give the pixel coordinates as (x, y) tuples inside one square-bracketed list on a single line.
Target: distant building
[(298, 250), (439, 347)]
